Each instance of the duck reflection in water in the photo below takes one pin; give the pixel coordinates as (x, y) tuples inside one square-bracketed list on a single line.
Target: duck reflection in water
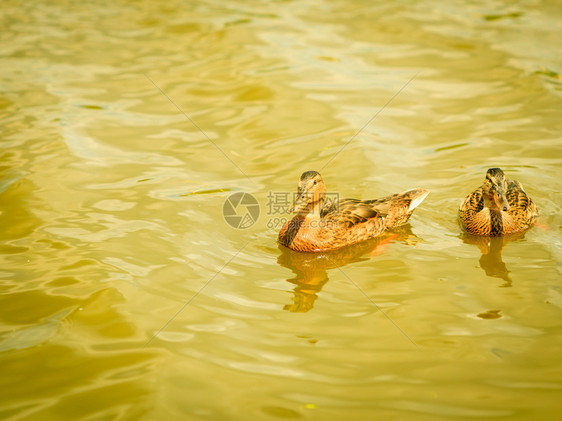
[(491, 248), (310, 269)]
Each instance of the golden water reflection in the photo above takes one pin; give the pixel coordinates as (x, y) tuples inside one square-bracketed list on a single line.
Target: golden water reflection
[(102, 239), (311, 269), (491, 260)]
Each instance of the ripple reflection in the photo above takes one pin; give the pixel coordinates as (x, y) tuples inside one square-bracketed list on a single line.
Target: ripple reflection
[(491, 260), (310, 269)]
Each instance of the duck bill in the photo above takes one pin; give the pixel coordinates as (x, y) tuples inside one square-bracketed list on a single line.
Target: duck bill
[(501, 201), (300, 204)]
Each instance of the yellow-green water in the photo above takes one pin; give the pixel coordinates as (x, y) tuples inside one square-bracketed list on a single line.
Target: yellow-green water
[(124, 293)]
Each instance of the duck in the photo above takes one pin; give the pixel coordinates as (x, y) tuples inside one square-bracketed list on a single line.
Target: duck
[(320, 225), (499, 207)]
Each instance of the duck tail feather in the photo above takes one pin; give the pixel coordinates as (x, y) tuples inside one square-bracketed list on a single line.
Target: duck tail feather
[(416, 196)]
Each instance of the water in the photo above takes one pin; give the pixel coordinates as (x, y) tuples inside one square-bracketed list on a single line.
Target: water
[(126, 295)]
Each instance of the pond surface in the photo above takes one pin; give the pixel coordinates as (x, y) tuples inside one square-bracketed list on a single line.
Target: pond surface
[(126, 126)]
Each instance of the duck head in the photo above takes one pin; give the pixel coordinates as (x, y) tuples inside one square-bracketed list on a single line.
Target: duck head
[(311, 192), (493, 190)]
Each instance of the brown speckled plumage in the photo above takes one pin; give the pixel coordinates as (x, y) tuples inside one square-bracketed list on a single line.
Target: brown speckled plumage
[(320, 226), (500, 206)]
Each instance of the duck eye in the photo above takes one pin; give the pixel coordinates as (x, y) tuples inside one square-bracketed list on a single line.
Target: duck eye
[(315, 181)]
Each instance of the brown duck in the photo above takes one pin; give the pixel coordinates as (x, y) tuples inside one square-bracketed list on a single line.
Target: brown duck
[(499, 207), (321, 226)]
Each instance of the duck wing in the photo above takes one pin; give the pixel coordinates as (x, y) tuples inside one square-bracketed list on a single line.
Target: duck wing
[(349, 212), (394, 209), (473, 203), (516, 196), (522, 207)]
